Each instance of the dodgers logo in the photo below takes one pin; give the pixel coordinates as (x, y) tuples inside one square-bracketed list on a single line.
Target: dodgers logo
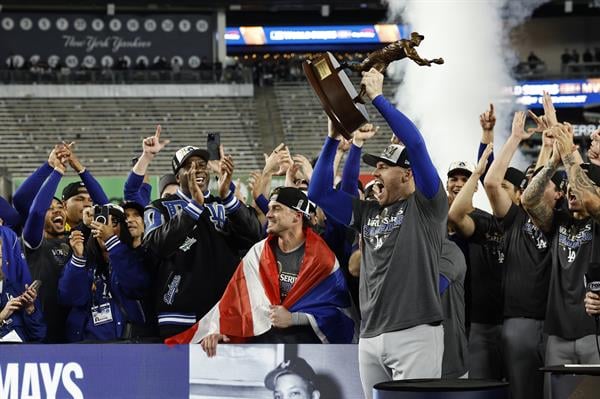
[(217, 215)]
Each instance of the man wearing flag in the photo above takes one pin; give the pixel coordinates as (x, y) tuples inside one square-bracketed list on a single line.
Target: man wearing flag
[(289, 287)]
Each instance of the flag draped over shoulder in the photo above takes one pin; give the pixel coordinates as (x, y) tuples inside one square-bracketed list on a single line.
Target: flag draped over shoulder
[(320, 291)]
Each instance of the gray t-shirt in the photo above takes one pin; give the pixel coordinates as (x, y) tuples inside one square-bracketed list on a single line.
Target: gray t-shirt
[(402, 243), (454, 267), (288, 265)]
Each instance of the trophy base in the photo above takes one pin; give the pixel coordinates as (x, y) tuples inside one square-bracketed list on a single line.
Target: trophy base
[(337, 95)]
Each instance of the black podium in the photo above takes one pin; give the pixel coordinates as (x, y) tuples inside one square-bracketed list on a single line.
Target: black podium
[(435, 388), (574, 381)]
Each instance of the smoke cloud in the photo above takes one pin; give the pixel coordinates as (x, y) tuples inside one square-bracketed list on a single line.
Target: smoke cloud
[(445, 100)]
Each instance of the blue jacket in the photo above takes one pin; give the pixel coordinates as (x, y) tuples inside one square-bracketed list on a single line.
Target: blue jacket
[(83, 290), (30, 328)]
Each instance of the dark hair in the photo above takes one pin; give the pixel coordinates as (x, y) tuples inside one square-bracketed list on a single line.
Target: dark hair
[(94, 252)]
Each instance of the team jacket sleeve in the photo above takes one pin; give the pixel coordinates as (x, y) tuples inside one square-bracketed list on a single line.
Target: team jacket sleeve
[(33, 231), (351, 171), (34, 324), (336, 204), (8, 214), (28, 189), (489, 163), (243, 221), (134, 190), (128, 271), (162, 238), (75, 283), (425, 174), (262, 203), (94, 188)]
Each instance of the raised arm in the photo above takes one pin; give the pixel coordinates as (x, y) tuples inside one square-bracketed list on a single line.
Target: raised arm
[(458, 216), (334, 203), (499, 199), (532, 199), (427, 180), (487, 120), (582, 186), (24, 195), (33, 231), (91, 184), (133, 189), (351, 169)]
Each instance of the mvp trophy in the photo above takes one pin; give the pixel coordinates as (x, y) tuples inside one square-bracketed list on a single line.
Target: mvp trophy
[(344, 106)]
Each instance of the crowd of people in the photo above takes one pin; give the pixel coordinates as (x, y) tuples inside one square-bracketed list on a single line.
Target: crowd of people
[(406, 266)]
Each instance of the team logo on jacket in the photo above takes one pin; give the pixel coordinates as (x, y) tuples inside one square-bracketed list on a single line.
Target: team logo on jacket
[(536, 235), (379, 227), (169, 297), (187, 244)]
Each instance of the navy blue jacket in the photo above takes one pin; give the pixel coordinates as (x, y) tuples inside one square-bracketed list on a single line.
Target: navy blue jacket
[(82, 288), (30, 328)]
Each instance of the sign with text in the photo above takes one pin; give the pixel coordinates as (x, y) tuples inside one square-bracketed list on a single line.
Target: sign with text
[(564, 93), (96, 40), (302, 35)]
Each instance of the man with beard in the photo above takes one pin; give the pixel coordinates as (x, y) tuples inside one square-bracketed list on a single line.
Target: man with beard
[(402, 236), (571, 333), (194, 240), (47, 250)]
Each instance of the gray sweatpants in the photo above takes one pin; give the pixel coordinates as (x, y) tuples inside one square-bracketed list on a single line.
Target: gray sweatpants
[(485, 351), (523, 343), (566, 351), (398, 355)]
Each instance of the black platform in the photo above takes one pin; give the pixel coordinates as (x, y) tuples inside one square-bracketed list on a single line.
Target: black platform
[(435, 388), (574, 381)]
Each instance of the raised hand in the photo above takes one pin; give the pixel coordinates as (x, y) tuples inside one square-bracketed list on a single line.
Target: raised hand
[(254, 183), (364, 133), (76, 242), (73, 160), (195, 191), (487, 120), (564, 141), (373, 83), (549, 110), (482, 164), (304, 165), (28, 299), (226, 175), (278, 161), (101, 230), (152, 145), (518, 126)]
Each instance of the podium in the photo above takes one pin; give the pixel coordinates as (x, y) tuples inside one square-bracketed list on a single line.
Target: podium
[(574, 381), (436, 388)]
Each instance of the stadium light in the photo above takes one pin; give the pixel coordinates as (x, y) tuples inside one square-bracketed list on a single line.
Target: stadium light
[(110, 9), (325, 10)]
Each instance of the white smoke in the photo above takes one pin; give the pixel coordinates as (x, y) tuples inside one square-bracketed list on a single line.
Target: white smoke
[(445, 100)]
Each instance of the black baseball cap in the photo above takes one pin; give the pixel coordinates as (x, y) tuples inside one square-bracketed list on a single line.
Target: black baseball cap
[(393, 155), (592, 171), (516, 177), (182, 154), (293, 198), (166, 180), (559, 178), (72, 189), (133, 205), (297, 366)]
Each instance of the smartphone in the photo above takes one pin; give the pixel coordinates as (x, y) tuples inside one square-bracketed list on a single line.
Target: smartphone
[(36, 285), (213, 142), (101, 214)]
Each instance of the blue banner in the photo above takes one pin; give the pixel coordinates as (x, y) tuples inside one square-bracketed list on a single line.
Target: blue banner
[(302, 35), (93, 371), (564, 93)]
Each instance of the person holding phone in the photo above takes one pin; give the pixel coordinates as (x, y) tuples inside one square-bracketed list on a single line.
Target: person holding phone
[(20, 317), (104, 280)]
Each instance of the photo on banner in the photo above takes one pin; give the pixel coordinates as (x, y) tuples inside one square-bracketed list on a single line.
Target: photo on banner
[(253, 370)]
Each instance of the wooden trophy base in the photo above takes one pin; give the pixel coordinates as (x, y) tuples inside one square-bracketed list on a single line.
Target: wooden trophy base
[(336, 93)]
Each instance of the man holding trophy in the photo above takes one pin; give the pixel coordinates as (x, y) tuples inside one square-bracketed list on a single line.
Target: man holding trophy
[(402, 233)]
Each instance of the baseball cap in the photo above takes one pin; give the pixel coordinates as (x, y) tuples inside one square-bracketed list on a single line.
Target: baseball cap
[(592, 171), (516, 177), (393, 155), (297, 366), (133, 205), (293, 198), (164, 181), (559, 178), (182, 154), (460, 167), (72, 189)]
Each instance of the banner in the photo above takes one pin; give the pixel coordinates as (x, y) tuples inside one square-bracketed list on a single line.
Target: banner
[(302, 35), (115, 371), (97, 41), (564, 93)]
